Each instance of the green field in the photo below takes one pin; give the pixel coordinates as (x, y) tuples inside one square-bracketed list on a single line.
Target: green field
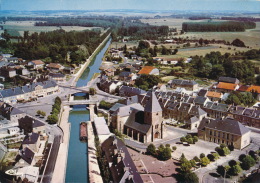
[(251, 37), (18, 28)]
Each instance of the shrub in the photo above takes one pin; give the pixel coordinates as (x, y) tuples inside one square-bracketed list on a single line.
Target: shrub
[(190, 140), (211, 157), (151, 150), (188, 136), (204, 161), (202, 155), (247, 162), (195, 139), (193, 163), (174, 148), (190, 177), (183, 139), (196, 159), (235, 170)]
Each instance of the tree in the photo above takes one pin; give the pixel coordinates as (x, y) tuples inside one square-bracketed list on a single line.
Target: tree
[(238, 43), (43, 113), (39, 112), (193, 163), (195, 139), (247, 162), (183, 139), (186, 166), (196, 159), (174, 148), (151, 149), (92, 91), (188, 136), (175, 51), (53, 119), (216, 155), (190, 177), (190, 140), (202, 155), (205, 161), (143, 45), (183, 158), (164, 154), (235, 170)]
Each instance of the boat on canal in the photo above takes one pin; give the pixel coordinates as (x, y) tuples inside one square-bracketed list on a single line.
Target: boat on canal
[(83, 133)]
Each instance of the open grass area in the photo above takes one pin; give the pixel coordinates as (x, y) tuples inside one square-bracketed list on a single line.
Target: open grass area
[(251, 37), (21, 26), (129, 44)]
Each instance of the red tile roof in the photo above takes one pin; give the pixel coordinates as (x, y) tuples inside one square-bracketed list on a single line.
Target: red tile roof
[(248, 88), (146, 70), (227, 86), (37, 62), (214, 94)]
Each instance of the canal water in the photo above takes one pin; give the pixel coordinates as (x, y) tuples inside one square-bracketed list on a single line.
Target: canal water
[(77, 155)]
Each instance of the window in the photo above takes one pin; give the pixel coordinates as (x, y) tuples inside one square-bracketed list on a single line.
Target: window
[(210, 132), (156, 126), (227, 136)]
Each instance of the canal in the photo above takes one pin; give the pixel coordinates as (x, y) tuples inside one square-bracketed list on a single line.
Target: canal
[(77, 155)]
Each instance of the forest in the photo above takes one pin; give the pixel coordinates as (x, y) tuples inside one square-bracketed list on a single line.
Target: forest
[(54, 46), (214, 65), (221, 26)]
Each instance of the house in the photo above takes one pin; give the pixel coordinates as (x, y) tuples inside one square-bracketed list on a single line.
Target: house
[(128, 91), (101, 128), (226, 87), (36, 64), (224, 131), (228, 80), (13, 130), (32, 141), (68, 70), (250, 88), (109, 86), (28, 92), (149, 70), (109, 71), (22, 71), (25, 158), (12, 60), (120, 163), (214, 96), (187, 84), (143, 124), (54, 67), (11, 113), (57, 77), (8, 72), (31, 173)]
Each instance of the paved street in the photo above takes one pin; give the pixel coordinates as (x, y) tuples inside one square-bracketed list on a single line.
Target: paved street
[(51, 160)]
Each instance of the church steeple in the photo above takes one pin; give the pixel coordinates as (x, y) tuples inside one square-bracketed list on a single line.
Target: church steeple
[(152, 104)]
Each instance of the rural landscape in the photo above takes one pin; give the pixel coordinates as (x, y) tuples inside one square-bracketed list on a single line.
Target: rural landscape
[(110, 92)]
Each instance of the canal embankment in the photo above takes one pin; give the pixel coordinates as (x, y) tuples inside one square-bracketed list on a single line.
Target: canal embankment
[(61, 162), (89, 60)]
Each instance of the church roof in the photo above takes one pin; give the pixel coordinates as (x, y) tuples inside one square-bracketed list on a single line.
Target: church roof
[(152, 104)]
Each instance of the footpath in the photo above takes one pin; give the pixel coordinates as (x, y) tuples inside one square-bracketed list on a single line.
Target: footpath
[(61, 162)]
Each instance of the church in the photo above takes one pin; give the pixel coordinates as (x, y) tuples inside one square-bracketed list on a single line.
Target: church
[(143, 124)]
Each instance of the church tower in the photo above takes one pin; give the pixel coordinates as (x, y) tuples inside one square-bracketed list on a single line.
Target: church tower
[(153, 117)]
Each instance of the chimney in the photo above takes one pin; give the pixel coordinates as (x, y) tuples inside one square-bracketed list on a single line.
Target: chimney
[(130, 177)]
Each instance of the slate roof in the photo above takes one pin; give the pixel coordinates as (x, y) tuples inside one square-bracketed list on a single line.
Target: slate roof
[(57, 75), (182, 82), (101, 126), (228, 80), (227, 125), (31, 139), (197, 111), (200, 100), (27, 155), (126, 110), (193, 119), (152, 104), (130, 91), (122, 169), (115, 107), (124, 74)]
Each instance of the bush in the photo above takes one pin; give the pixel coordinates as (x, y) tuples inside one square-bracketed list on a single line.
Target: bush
[(151, 150), (190, 177), (235, 170), (183, 139), (188, 136), (53, 119), (190, 141), (193, 163), (92, 91), (174, 148), (232, 163), (247, 162), (216, 155), (164, 154), (241, 157), (196, 159), (195, 139), (205, 161), (211, 157), (202, 155)]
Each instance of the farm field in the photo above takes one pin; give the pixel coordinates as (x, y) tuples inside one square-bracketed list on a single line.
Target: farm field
[(251, 37), (18, 27)]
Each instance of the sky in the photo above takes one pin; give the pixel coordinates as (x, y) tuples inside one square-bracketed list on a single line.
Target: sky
[(216, 5)]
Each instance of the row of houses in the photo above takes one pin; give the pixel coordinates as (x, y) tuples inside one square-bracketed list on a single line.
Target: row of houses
[(29, 92)]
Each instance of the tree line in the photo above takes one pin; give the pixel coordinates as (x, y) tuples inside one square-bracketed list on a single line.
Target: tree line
[(210, 26), (55, 46)]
